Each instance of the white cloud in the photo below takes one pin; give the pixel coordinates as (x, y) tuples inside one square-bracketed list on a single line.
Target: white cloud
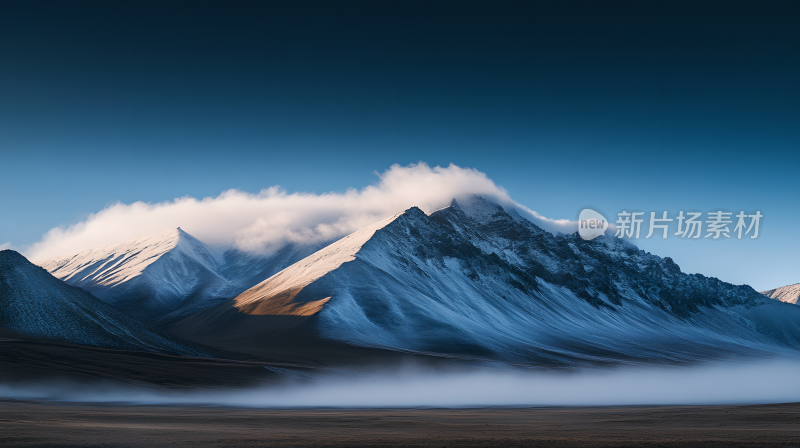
[(5, 246), (263, 221)]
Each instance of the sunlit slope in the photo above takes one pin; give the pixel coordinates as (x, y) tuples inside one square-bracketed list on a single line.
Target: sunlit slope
[(788, 294)]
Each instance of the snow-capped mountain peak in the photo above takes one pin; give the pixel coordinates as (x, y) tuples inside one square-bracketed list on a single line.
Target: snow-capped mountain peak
[(118, 263), (169, 275), (145, 277), (478, 208), (308, 270)]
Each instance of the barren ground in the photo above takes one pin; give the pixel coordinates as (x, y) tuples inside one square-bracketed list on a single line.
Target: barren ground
[(31, 423)]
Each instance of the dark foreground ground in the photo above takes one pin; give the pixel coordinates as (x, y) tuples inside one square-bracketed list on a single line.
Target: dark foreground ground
[(29, 423)]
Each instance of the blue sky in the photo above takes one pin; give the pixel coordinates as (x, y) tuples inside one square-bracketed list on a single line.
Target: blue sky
[(631, 105)]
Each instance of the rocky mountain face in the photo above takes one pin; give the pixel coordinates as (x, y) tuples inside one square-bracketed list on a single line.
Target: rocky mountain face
[(476, 280), (605, 272)]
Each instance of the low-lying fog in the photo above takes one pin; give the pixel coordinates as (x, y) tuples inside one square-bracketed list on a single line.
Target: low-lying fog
[(761, 382)]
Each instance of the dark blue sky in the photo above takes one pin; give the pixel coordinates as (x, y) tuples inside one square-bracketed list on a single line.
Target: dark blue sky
[(655, 105)]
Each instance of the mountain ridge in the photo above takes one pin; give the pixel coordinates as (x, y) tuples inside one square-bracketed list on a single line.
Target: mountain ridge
[(167, 276), (145, 277), (473, 280)]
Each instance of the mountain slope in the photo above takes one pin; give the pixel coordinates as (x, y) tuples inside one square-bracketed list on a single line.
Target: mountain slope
[(170, 275), (147, 277), (33, 302), (788, 294), (475, 280)]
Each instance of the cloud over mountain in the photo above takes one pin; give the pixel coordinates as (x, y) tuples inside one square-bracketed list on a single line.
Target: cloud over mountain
[(264, 221)]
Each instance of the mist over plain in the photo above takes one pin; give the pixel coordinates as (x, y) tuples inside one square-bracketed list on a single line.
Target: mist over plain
[(755, 382)]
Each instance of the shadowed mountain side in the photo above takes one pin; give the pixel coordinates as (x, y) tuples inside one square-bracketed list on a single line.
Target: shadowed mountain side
[(35, 303), (294, 339), (29, 359)]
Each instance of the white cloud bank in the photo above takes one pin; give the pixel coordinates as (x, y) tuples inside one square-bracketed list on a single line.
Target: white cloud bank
[(263, 221), (5, 246)]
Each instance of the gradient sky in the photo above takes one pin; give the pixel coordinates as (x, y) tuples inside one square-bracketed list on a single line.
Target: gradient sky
[(646, 105)]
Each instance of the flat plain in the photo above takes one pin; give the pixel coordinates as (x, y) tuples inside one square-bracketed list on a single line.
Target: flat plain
[(38, 423)]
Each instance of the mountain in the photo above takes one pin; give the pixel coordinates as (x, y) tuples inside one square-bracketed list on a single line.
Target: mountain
[(476, 280), (147, 277), (170, 275), (788, 294), (33, 302)]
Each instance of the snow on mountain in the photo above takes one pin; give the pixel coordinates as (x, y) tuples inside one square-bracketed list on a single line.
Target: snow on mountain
[(277, 296), (34, 302), (475, 280), (147, 277), (242, 270), (169, 275), (788, 294)]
